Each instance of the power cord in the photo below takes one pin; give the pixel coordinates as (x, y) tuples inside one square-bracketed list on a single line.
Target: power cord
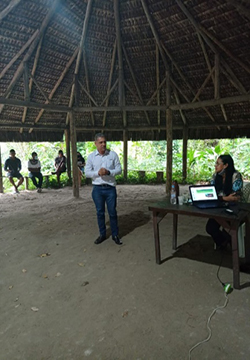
[(208, 327), (227, 290)]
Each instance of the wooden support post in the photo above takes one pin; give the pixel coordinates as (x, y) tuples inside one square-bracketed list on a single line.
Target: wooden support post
[(169, 129), (217, 77), (169, 121), (1, 173), (125, 154), (67, 141), (184, 153), (26, 81), (26, 182), (74, 155)]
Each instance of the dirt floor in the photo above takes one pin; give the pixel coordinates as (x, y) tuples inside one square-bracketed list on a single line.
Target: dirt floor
[(112, 302)]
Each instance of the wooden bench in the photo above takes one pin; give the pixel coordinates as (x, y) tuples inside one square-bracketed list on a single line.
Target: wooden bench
[(46, 176)]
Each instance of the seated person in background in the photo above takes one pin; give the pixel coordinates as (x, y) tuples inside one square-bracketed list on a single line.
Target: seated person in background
[(60, 165), (228, 183), (34, 166), (13, 166), (80, 164)]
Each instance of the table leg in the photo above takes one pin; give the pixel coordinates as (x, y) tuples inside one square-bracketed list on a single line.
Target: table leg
[(247, 240), (236, 262), (175, 224), (157, 238)]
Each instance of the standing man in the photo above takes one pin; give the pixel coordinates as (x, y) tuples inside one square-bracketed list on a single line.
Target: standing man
[(60, 165), (102, 166), (34, 166), (13, 166)]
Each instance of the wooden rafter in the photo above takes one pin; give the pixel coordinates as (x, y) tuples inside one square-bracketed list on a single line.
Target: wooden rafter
[(210, 69), (87, 93), (183, 106), (203, 85), (32, 47), (178, 102), (121, 92), (134, 80), (9, 8), (240, 8), (157, 68), (110, 81), (39, 127), (52, 93), (184, 78), (87, 83), (31, 80), (79, 55), (19, 53), (209, 38)]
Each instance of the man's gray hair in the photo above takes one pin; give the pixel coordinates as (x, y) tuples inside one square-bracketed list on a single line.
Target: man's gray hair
[(99, 135)]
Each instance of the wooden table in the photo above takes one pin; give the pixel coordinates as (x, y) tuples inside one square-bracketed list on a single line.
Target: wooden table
[(229, 222)]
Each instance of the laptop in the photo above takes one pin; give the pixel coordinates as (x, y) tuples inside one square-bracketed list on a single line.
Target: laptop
[(204, 196)]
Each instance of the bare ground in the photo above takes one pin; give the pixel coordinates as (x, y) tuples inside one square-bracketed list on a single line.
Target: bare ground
[(108, 302)]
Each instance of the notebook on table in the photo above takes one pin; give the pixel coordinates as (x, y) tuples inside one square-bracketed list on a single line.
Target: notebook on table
[(204, 196)]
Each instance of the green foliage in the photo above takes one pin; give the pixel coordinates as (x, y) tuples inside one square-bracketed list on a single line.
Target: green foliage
[(149, 156)]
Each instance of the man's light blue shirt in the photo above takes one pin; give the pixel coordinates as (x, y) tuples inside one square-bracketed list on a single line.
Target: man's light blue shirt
[(109, 160)]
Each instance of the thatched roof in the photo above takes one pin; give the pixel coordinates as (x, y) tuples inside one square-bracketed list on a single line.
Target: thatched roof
[(133, 58)]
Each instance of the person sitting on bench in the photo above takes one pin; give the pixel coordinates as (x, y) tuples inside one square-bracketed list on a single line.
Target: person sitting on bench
[(13, 166), (60, 165), (34, 166), (80, 164)]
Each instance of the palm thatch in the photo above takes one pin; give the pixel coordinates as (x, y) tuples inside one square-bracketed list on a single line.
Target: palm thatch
[(119, 65)]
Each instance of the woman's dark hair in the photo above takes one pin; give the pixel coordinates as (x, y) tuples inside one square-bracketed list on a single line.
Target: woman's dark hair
[(229, 170), (34, 153)]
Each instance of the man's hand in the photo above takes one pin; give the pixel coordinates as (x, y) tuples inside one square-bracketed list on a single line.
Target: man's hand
[(103, 172)]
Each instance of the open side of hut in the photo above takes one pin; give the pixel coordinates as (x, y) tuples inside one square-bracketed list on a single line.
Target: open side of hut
[(136, 69)]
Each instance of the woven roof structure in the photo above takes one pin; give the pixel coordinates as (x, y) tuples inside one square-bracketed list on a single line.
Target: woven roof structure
[(119, 65)]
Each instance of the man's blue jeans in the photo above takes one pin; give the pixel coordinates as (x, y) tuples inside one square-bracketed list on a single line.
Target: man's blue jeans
[(101, 195)]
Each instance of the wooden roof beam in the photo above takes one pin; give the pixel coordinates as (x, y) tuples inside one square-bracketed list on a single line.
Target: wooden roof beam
[(106, 102), (184, 78), (203, 85), (32, 47), (209, 38), (87, 93), (185, 106), (87, 83), (240, 8), (121, 92), (31, 80), (79, 55), (134, 80), (9, 8), (19, 53), (57, 84), (213, 102)]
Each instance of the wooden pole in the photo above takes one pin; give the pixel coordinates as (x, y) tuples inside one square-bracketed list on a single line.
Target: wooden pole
[(169, 129), (125, 154), (217, 77), (184, 153), (74, 155), (1, 173), (67, 141)]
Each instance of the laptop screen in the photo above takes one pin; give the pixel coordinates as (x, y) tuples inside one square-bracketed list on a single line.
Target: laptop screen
[(203, 193)]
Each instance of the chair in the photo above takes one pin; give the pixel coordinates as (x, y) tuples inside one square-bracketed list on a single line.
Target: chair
[(241, 231), (246, 193)]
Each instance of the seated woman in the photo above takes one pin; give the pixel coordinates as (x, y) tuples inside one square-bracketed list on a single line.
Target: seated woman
[(80, 164), (228, 183)]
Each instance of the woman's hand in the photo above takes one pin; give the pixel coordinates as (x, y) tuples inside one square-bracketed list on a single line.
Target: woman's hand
[(231, 198)]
